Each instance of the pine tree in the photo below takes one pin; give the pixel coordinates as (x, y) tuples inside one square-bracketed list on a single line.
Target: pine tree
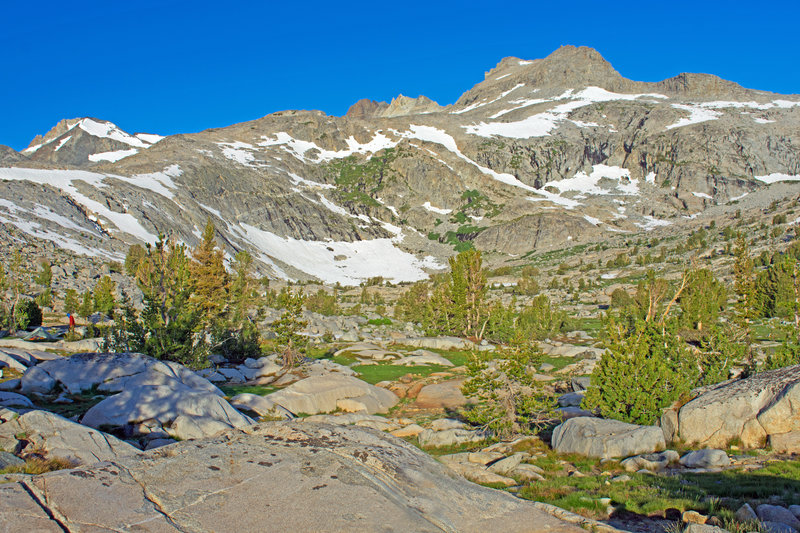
[(17, 281), (134, 256), (243, 288), (86, 307), (103, 296), (237, 336), (44, 278), (5, 307), (702, 300), (169, 321), (744, 282), (467, 290), (210, 280), (509, 399), (287, 328), (71, 301), (643, 371)]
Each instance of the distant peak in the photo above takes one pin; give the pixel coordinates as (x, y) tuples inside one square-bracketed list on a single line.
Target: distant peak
[(404, 105), (577, 53), (63, 126), (401, 105), (366, 108)]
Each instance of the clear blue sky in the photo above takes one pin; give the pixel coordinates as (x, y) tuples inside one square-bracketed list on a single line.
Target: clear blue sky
[(173, 67)]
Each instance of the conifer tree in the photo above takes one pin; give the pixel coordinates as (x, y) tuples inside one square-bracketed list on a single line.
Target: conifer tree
[(237, 336), (44, 278), (243, 288), (103, 296), (5, 308), (702, 300), (71, 301), (744, 282), (467, 291), (169, 321), (210, 280), (17, 281), (287, 328)]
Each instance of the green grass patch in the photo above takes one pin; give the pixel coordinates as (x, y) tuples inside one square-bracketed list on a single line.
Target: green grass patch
[(233, 390), (460, 448), (718, 494), (768, 331), (388, 372), (558, 362), (80, 402), (592, 326)]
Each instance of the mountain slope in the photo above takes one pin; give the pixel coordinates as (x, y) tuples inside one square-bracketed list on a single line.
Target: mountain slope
[(540, 155)]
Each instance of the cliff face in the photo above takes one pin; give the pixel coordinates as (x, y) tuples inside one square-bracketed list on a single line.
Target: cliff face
[(542, 154)]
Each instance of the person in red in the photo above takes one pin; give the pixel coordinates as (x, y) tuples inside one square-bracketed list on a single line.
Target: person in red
[(71, 323)]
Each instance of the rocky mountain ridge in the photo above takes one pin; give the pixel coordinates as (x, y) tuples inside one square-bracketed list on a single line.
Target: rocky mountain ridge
[(540, 155)]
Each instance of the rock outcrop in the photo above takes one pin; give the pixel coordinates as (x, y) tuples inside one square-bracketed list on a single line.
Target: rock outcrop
[(749, 411), (325, 394), (166, 397), (54, 436), (606, 439), (277, 476)]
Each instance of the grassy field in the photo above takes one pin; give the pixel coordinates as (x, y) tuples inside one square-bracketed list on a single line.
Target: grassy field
[(715, 494), (385, 371)]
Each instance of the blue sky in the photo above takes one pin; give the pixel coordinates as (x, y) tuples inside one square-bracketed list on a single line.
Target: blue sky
[(177, 67)]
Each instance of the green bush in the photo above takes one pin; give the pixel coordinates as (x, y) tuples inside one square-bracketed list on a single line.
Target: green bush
[(540, 320), (620, 299), (509, 401), (323, 303), (643, 371), (702, 299), (28, 314)]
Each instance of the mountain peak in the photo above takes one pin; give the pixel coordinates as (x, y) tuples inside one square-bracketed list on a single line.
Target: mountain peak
[(401, 105), (63, 126), (366, 108)]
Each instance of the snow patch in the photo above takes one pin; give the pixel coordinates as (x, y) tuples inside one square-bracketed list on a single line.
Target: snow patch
[(434, 135), (776, 177), (211, 210), (297, 180), (63, 142), (541, 124), (158, 182), (652, 223), (238, 151), (107, 130), (63, 180), (650, 178), (299, 148), (702, 195), (149, 138), (697, 114), (585, 184), (438, 210), (112, 157), (593, 221), (348, 263)]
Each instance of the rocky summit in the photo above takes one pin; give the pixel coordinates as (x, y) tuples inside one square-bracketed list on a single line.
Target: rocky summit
[(540, 155)]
